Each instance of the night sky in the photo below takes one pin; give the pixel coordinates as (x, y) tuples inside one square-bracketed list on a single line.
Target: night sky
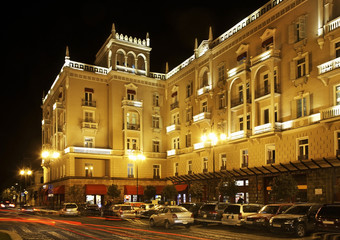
[(34, 37)]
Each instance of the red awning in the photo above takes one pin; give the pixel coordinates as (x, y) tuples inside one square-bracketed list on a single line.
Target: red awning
[(59, 190), (159, 189), (181, 188), (95, 189), (132, 190)]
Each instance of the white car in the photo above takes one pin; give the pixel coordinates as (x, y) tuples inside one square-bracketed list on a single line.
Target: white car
[(235, 214), (69, 209), (172, 215)]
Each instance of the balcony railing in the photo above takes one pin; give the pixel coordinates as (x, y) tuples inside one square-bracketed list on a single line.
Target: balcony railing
[(329, 66), (265, 55), (130, 126), (266, 91), (88, 103), (332, 25), (174, 105), (238, 101), (202, 116), (203, 90), (330, 112), (132, 103), (90, 125), (267, 128), (171, 152), (172, 128)]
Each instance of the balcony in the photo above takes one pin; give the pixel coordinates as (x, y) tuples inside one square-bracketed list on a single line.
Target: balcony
[(238, 135), (90, 125), (236, 70), (332, 25), (267, 128), (171, 152), (203, 90), (271, 53), (202, 116), (86, 103), (238, 101), (173, 128), (174, 105), (266, 91), (330, 112), (132, 103), (201, 145), (130, 126), (328, 70)]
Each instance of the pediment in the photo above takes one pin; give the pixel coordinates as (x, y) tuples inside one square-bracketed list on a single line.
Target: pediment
[(270, 32), (242, 48)]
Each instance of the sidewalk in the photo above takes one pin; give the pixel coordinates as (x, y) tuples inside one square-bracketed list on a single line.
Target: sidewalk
[(12, 235)]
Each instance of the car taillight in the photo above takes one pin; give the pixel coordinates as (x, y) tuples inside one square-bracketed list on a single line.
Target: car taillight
[(192, 215), (174, 216), (120, 212), (212, 212), (239, 216)]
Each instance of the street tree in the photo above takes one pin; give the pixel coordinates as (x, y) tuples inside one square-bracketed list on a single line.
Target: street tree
[(284, 188), (227, 187), (113, 191), (196, 191), (169, 192), (149, 192)]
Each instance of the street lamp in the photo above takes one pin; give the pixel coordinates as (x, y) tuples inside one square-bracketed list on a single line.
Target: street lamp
[(136, 156), (213, 139), (26, 173)]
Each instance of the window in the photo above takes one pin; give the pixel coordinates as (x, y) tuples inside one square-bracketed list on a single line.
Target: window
[(297, 30), (221, 73), (89, 142), (301, 108), (265, 79), (267, 44), (88, 169), (155, 100), (131, 94), (266, 116), (132, 120), (205, 81), (88, 97), (337, 140), (301, 67), (175, 143), (156, 171), (240, 123), (176, 168), (130, 170), (189, 89), (303, 149), (337, 95), (270, 154), (189, 114), (155, 122), (188, 140), (240, 93), (189, 166), (155, 146), (223, 161), (175, 118), (221, 101), (204, 106), (132, 143), (337, 49), (244, 158), (205, 164), (88, 116)]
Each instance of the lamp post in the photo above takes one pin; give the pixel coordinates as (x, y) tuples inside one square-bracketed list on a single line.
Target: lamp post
[(48, 155), (24, 173), (213, 139), (136, 156)]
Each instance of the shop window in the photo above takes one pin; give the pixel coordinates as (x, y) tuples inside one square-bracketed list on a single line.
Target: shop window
[(88, 170)]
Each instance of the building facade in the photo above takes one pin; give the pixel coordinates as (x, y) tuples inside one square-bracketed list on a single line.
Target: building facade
[(258, 101)]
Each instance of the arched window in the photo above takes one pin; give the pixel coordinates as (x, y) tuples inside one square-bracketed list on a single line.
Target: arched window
[(120, 58), (130, 60), (141, 62)]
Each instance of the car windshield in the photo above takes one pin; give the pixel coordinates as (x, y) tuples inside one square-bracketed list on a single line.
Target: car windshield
[(232, 209), (250, 208), (299, 210), (126, 208), (208, 207), (221, 206), (177, 210), (269, 209), (71, 206), (330, 211)]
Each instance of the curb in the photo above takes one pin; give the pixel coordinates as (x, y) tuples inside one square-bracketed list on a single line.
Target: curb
[(12, 235)]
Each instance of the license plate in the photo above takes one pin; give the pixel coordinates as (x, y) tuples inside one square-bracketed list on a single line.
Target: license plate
[(205, 216), (327, 222), (276, 225)]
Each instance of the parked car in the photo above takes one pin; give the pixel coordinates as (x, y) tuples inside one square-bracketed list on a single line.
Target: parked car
[(143, 208), (210, 213), (90, 209), (170, 216), (69, 209), (192, 207), (7, 204), (298, 219), (261, 219), (235, 214), (120, 211), (148, 213), (328, 218)]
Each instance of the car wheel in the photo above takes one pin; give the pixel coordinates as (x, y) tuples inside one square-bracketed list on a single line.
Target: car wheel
[(300, 230), (167, 225), (152, 223)]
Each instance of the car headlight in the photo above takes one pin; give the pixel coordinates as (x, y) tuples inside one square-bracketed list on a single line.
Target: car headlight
[(289, 222), (271, 221)]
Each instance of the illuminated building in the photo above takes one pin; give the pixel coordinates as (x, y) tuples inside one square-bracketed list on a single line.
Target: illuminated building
[(269, 88)]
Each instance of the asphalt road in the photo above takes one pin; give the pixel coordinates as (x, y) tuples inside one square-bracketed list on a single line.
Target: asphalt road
[(54, 227)]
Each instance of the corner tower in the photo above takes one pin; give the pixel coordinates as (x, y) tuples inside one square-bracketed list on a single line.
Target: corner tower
[(125, 53)]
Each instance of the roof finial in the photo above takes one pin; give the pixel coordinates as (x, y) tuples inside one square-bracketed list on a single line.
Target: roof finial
[(67, 54), (210, 34), (166, 67), (147, 39), (196, 44), (113, 29)]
